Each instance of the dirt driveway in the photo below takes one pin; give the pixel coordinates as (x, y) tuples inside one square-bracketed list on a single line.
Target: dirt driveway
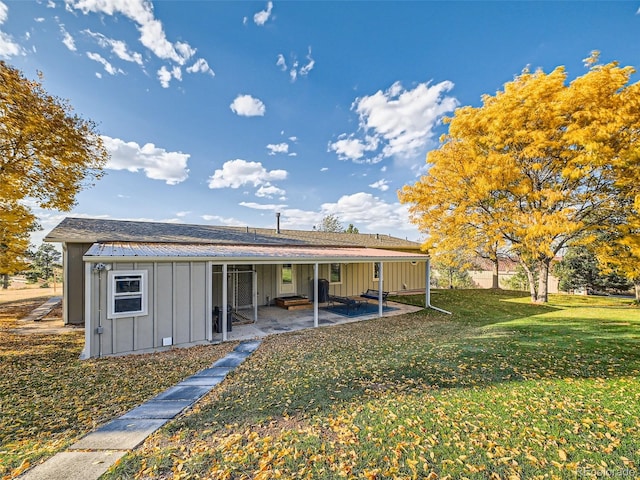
[(50, 324)]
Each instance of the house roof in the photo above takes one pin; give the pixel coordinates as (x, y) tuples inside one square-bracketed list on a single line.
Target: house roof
[(91, 230), (128, 251), (505, 264)]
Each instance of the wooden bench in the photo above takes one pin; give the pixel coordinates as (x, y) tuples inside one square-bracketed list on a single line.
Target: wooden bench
[(375, 295), (349, 302)]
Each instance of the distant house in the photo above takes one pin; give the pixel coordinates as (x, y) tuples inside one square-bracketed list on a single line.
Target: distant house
[(484, 270), (145, 286)]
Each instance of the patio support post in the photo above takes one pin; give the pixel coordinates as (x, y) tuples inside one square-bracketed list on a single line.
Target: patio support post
[(380, 289), (315, 294), (427, 288), (225, 319), (255, 293)]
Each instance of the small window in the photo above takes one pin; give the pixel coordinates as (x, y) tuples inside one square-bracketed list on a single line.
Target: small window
[(376, 271), (335, 273), (127, 293), (287, 274)]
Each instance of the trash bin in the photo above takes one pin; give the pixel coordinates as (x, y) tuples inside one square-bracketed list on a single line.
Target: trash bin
[(217, 319)]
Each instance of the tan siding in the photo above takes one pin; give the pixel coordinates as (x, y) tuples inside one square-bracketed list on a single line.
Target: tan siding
[(74, 276)]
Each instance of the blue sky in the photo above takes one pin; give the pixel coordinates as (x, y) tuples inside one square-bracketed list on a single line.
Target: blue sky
[(227, 112)]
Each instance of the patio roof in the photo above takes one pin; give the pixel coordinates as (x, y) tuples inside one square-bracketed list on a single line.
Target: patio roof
[(239, 254)]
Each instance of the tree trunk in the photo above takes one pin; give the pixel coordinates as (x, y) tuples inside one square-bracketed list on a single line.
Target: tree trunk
[(495, 284), (533, 286), (5, 281), (637, 285), (543, 288)]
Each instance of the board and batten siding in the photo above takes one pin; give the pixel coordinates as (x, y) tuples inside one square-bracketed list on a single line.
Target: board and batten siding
[(177, 299), (73, 304), (356, 279)]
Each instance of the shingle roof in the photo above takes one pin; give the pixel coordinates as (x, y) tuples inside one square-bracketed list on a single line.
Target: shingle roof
[(92, 230)]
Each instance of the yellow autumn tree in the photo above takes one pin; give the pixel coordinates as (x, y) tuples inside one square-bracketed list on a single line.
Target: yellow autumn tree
[(47, 155), (537, 166), (16, 223)]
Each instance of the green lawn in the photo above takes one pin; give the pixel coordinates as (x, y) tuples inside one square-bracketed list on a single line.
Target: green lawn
[(500, 389)]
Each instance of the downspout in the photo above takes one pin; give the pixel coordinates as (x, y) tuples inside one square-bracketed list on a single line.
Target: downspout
[(315, 294), (99, 267), (380, 288), (427, 291)]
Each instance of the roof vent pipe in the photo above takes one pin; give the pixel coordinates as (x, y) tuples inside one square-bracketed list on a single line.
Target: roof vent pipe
[(277, 222)]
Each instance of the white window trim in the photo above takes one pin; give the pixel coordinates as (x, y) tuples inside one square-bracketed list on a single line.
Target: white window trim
[(111, 296), (339, 282)]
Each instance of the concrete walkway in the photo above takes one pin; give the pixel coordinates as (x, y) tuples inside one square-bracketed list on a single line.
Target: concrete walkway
[(38, 313), (94, 454)]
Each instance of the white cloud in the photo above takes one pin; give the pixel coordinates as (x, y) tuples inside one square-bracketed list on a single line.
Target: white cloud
[(152, 34), (296, 70), (397, 121), (157, 163), (324, 169), (39, 19), (118, 47), (304, 71), (350, 148), (110, 69), (182, 214), (8, 47), (261, 206), (248, 106), (200, 65), (232, 222), (382, 185), (270, 191), (278, 148), (165, 75), (236, 173), (68, 40), (358, 207), (262, 16)]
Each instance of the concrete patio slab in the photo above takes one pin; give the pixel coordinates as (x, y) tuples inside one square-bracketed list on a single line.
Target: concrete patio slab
[(119, 434), (163, 409), (74, 465)]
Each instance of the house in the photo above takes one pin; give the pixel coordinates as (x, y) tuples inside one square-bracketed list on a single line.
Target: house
[(484, 270), (145, 286)]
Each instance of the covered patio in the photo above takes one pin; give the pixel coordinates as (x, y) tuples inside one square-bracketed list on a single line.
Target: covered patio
[(274, 320)]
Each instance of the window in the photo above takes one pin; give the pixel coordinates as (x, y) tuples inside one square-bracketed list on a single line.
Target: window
[(376, 271), (335, 273), (287, 274), (127, 291)]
